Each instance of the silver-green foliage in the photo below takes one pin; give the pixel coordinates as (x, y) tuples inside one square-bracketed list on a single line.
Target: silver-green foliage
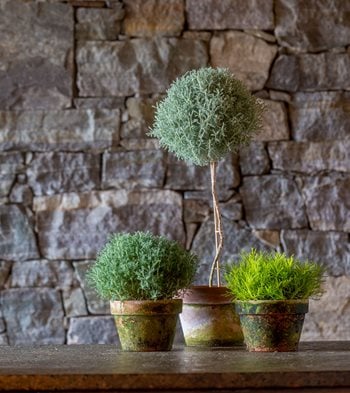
[(273, 276), (206, 114), (141, 266)]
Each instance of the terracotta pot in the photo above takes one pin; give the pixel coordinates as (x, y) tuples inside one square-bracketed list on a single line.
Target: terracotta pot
[(146, 325), (208, 318), (270, 326)]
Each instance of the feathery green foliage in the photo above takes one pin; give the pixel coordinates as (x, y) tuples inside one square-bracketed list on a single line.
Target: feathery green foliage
[(273, 276), (141, 266), (206, 114)]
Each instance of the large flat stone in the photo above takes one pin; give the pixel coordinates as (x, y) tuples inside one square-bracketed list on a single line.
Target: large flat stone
[(74, 302), (55, 173), (94, 303), (143, 66), (313, 25), (330, 249), (76, 226), (329, 317), (5, 270), (273, 202), (134, 169), (230, 14), (33, 316), (310, 157), (70, 130), (320, 116), (42, 273), (310, 72), (327, 200), (10, 164), (92, 330), (254, 54), (182, 176), (253, 159), (17, 239), (275, 122), (238, 237), (154, 17), (36, 63)]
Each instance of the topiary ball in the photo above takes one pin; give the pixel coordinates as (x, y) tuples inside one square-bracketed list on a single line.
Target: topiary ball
[(206, 114)]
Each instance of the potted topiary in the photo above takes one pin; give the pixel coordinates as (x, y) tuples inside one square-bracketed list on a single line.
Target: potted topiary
[(140, 274), (272, 292), (206, 114)]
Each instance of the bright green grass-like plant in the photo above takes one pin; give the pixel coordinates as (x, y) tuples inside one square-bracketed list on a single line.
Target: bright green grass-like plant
[(206, 114), (141, 266), (273, 276)]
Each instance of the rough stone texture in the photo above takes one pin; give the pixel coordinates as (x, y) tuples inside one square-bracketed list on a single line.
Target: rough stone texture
[(196, 210), (99, 103), (134, 169), (313, 26), (254, 53), (42, 273), (54, 173), (320, 116), (4, 339), (332, 249), (135, 66), (307, 72), (94, 304), (230, 14), (71, 130), (22, 194), (329, 317), (238, 237), (75, 226), (10, 164), (310, 157), (139, 144), (98, 24), (182, 176), (92, 330), (273, 202), (35, 76), (74, 302), (5, 269), (232, 209), (268, 237), (17, 239), (327, 200), (275, 122), (154, 17), (254, 160), (33, 316), (140, 117)]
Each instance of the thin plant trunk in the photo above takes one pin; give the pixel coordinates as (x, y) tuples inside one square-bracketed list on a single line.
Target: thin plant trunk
[(219, 236)]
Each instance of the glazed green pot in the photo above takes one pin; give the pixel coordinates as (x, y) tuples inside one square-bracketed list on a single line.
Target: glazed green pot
[(208, 318), (272, 325), (146, 325)]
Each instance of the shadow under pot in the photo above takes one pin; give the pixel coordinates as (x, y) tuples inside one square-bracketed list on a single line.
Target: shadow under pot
[(208, 318), (272, 326), (146, 325)]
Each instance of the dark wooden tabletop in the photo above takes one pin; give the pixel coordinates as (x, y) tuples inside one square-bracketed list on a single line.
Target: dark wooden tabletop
[(317, 367)]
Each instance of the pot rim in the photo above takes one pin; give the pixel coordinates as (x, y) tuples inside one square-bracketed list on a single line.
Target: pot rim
[(146, 307), (263, 307), (205, 295)]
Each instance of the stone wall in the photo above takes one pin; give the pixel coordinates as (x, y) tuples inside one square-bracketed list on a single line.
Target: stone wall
[(78, 81)]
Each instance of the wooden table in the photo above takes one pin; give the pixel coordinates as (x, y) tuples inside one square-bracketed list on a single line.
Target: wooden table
[(317, 367)]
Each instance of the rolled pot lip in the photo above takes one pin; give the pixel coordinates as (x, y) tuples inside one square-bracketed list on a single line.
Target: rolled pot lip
[(291, 301), (261, 307), (141, 307), (205, 295)]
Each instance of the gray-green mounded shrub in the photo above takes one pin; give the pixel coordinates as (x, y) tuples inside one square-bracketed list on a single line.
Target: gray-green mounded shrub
[(141, 266), (261, 275)]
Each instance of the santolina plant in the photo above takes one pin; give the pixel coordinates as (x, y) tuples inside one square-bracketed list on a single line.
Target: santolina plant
[(260, 275), (206, 114), (141, 266)]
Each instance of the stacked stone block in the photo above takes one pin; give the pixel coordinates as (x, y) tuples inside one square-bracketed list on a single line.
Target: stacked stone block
[(78, 83)]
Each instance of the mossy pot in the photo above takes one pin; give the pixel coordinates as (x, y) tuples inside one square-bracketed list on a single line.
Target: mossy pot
[(208, 318), (146, 325), (272, 325)]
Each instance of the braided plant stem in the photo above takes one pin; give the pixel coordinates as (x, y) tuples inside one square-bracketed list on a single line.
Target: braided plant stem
[(219, 236)]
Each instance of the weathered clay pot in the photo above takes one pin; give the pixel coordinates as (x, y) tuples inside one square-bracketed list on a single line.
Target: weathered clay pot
[(146, 325), (208, 318), (270, 326)]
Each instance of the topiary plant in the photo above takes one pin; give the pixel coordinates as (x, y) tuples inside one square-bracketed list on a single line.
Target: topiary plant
[(141, 266), (273, 276), (206, 114)]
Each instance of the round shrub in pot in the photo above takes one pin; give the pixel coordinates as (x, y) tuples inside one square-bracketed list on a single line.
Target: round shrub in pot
[(140, 274)]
